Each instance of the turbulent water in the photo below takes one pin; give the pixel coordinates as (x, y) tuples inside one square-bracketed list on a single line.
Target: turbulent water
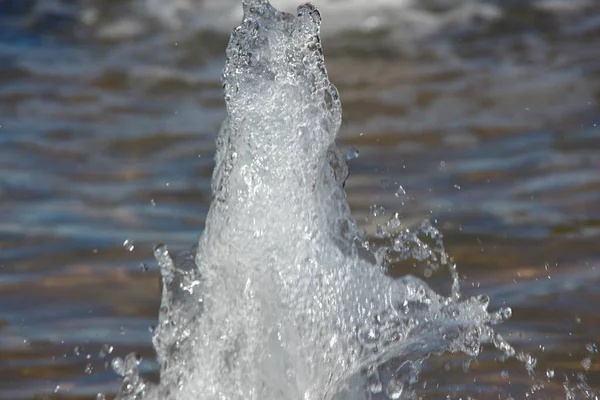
[(283, 299), (485, 111)]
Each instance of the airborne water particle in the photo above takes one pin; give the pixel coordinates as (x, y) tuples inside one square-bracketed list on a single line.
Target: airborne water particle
[(89, 369), (105, 350), (117, 366), (128, 245), (352, 153), (586, 363)]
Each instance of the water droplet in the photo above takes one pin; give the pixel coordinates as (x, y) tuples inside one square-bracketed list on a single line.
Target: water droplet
[(377, 210), (504, 374), (529, 360), (118, 366), (503, 314), (167, 267), (100, 396), (400, 191), (153, 203), (352, 153), (395, 389), (586, 363), (128, 245), (395, 222), (550, 373), (374, 382), (143, 267), (77, 350), (57, 388), (89, 369), (105, 350), (592, 348), (484, 300)]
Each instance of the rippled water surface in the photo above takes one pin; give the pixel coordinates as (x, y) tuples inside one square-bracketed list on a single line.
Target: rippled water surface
[(479, 115)]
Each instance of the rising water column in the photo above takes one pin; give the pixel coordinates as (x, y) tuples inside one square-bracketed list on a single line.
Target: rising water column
[(276, 302)]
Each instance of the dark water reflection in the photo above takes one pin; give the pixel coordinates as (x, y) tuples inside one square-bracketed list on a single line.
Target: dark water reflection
[(107, 123)]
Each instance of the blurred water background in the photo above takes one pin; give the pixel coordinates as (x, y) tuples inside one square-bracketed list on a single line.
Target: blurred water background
[(481, 115)]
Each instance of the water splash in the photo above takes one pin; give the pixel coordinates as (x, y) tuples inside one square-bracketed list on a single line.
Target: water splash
[(281, 299)]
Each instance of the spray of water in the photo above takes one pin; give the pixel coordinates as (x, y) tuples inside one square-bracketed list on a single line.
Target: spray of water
[(281, 299)]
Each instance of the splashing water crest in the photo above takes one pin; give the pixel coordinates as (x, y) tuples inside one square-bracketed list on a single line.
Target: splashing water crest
[(282, 299)]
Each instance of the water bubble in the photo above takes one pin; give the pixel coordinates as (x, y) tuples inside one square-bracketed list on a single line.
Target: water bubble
[(550, 373), (56, 388), (77, 350), (504, 374), (100, 396), (128, 245), (143, 267)]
